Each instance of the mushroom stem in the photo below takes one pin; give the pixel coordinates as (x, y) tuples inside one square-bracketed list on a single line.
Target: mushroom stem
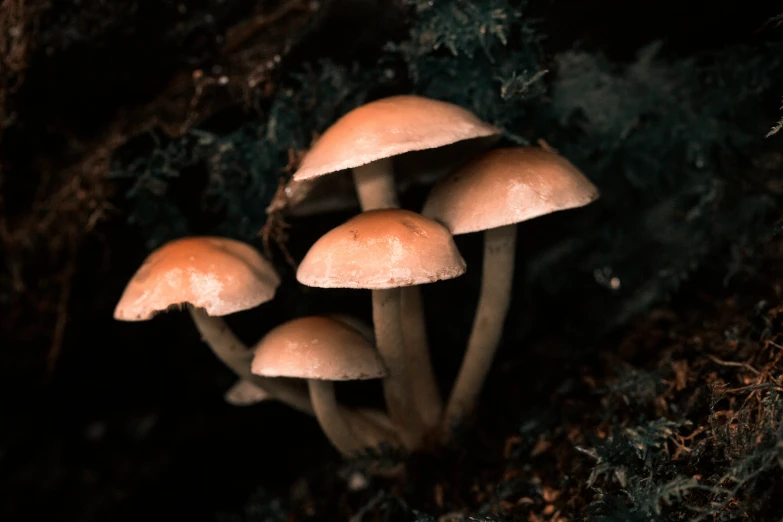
[(376, 189), (414, 331), (329, 415), (375, 185), (396, 386), (494, 299), (380, 419), (234, 354), (374, 428)]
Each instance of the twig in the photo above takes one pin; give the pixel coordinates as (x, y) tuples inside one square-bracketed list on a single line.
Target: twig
[(240, 33), (734, 364), (62, 313), (374, 501)]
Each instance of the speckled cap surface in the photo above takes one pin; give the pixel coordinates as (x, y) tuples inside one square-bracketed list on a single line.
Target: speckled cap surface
[(507, 186), (390, 127), (220, 275), (317, 347), (379, 249)]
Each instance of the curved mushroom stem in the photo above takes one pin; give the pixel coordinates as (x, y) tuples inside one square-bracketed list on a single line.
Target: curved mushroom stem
[(396, 389), (375, 185), (329, 414), (414, 332), (494, 300), (234, 354)]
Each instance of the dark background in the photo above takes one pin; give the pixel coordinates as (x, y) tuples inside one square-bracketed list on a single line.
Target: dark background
[(131, 421)]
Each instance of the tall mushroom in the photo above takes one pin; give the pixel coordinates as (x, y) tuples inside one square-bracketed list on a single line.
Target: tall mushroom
[(366, 140), (384, 250), (337, 192), (493, 193), (323, 350), (213, 277)]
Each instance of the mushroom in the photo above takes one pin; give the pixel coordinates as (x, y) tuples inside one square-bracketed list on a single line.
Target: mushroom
[(492, 193), (367, 420), (213, 277), (384, 250), (323, 350), (337, 192), (245, 393), (365, 140)]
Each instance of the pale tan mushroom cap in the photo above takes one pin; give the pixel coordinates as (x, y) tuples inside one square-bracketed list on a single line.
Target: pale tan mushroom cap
[(389, 127), (507, 186), (337, 193), (220, 275), (379, 249), (317, 348)]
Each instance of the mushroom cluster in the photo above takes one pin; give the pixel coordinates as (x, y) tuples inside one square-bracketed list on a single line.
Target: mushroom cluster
[(373, 152)]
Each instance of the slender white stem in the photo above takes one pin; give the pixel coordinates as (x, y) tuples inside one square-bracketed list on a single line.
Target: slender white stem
[(494, 300), (414, 332), (396, 389), (375, 185), (329, 415), (234, 354)]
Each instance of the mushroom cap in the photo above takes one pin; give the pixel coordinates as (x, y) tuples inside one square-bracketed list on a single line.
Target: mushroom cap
[(317, 347), (337, 193), (389, 127), (220, 275), (507, 186), (377, 249)]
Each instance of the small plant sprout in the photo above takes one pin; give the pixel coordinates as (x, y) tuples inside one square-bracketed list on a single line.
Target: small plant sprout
[(492, 193), (323, 350), (427, 136), (212, 277), (384, 250)]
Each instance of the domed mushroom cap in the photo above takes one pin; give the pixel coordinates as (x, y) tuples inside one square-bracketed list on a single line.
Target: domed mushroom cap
[(379, 249), (220, 275), (389, 127), (317, 348), (507, 186)]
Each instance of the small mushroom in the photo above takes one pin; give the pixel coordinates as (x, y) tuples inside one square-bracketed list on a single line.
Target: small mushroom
[(427, 137), (493, 193), (323, 350), (384, 250), (213, 277), (245, 393)]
